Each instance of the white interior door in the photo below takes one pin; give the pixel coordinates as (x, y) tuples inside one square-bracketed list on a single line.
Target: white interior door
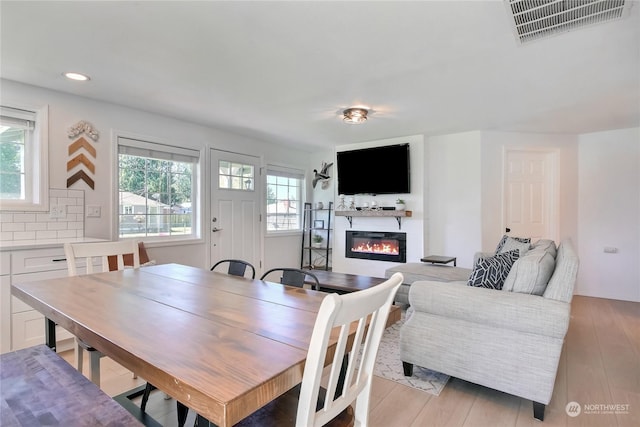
[(235, 207), (529, 198)]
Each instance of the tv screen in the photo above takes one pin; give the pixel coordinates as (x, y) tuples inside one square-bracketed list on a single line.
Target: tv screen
[(377, 170)]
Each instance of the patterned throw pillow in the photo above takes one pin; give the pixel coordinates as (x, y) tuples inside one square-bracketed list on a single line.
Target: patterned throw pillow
[(504, 240), (491, 272), (512, 244)]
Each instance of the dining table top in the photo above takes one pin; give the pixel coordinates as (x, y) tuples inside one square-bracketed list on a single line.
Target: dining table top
[(222, 345)]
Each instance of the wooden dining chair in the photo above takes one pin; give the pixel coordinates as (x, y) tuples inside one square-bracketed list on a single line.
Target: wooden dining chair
[(75, 252), (366, 311), (237, 267), (294, 277)]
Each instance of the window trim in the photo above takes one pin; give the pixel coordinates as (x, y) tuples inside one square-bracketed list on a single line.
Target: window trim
[(148, 142), (36, 165), (290, 172)]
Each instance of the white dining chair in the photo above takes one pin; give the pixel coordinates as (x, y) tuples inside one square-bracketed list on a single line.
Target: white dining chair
[(75, 252), (367, 311)]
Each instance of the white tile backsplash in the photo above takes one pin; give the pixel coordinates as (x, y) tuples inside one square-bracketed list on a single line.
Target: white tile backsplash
[(28, 225)]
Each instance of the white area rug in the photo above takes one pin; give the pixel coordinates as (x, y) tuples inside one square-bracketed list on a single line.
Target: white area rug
[(389, 366)]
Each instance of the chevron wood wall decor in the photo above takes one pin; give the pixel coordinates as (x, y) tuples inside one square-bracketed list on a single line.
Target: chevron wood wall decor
[(80, 175), (80, 160), (82, 143)]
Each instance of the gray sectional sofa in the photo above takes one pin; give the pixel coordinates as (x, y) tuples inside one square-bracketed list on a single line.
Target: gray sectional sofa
[(419, 271), (508, 340)]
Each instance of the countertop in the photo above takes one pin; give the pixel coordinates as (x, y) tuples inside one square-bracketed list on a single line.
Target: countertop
[(15, 245)]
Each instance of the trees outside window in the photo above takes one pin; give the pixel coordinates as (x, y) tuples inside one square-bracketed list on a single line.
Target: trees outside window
[(156, 189)]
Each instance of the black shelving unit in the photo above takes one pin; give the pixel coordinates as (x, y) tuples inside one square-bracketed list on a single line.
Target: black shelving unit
[(316, 257)]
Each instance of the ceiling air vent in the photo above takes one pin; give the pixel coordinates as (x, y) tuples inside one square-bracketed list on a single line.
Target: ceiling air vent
[(535, 19)]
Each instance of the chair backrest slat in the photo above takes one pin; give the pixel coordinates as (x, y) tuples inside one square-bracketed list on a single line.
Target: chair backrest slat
[(237, 267), (100, 250), (294, 277)]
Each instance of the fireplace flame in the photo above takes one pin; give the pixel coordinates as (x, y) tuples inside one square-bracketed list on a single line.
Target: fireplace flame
[(382, 247)]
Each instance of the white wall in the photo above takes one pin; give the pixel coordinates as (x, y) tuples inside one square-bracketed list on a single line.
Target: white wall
[(609, 214), (465, 184), (493, 148), (66, 110), (599, 200), (414, 226), (454, 196)]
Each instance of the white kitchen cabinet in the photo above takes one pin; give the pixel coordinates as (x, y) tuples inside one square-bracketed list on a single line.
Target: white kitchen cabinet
[(22, 326), (5, 302)]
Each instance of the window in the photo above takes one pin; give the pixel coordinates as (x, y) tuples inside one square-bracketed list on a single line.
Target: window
[(284, 199), (157, 190), (24, 176), (235, 176)]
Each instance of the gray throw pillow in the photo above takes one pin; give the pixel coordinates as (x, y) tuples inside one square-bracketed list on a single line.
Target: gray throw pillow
[(491, 272), (512, 244), (505, 237), (530, 274)]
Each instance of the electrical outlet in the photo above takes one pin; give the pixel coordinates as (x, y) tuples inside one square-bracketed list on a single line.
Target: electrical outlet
[(58, 211), (94, 211), (610, 250)]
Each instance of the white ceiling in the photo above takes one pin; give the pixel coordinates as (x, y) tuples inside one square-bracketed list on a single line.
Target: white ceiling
[(283, 71)]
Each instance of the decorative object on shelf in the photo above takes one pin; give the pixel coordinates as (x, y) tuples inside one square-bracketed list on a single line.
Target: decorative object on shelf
[(317, 241), (397, 214), (352, 204), (400, 206), (365, 206), (319, 205), (80, 159), (318, 223), (374, 206), (322, 176), (342, 205)]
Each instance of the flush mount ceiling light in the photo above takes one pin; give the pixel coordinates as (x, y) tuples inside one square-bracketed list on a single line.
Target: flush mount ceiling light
[(355, 115), (76, 76)]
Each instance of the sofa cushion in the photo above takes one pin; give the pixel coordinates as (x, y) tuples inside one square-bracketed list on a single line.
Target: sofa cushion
[(505, 238), (415, 271), (513, 244), (491, 272), (545, 245), (531, 273), (563, 280)]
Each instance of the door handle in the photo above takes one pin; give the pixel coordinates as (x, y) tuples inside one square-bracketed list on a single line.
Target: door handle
[(507, 229), (214, 229)]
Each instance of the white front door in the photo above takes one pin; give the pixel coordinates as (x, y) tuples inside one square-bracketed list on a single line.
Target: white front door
[(530, 194), (235, 207)]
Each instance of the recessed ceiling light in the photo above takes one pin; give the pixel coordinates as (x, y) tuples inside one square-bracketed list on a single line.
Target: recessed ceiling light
[(77, 76)]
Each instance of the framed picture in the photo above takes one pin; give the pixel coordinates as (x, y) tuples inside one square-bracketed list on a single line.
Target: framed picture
[(318, 223)]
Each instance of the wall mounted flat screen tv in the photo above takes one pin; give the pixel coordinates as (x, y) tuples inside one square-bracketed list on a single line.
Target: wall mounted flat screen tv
[(377, 170)]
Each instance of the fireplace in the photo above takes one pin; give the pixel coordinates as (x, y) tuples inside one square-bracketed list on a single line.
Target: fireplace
[(376, 245)]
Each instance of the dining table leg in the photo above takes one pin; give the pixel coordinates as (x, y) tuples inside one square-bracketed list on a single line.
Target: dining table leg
[(50, 333)]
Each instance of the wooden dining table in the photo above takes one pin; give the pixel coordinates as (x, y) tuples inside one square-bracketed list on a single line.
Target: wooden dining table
[(222, 345)]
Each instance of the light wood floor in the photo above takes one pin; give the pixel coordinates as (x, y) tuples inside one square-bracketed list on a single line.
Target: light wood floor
[(600, 365)]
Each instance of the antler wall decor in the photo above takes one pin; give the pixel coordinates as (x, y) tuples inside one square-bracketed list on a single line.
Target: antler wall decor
[(81, 159)]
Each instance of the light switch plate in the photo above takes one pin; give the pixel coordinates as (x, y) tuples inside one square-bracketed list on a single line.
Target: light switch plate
[(94, 211)]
